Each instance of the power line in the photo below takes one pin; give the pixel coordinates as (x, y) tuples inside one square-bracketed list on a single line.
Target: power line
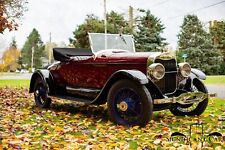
[(160, 3), (196, 10), (156, 4)]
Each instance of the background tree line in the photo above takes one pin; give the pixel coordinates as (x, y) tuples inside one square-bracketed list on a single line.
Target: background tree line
[(205, 50)]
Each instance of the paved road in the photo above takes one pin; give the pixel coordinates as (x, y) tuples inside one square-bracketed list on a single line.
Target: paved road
[(18, 76), (218, 89)]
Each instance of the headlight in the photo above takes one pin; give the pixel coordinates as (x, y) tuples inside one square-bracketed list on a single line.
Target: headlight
[(185, 69), (156, 71)]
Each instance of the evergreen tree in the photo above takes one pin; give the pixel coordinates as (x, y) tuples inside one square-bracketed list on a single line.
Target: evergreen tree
[(33, 42), (197, 43), (217, 32), (13, 44), (148, 36), (192, 33), (117, 23), (92, 24)]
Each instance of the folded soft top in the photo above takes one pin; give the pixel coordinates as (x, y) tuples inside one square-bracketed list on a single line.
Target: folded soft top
[(64, 54)]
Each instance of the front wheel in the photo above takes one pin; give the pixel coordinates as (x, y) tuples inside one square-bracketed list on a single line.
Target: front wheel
[(194, 109), (129, 103), (41, 94)]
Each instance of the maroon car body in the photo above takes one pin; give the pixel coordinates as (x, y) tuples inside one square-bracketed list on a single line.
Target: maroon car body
[(132, 83), (94, 72)]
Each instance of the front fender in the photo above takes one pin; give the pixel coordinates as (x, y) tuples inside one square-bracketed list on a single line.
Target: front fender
[(45, 75), (133, 75), (195, 73)]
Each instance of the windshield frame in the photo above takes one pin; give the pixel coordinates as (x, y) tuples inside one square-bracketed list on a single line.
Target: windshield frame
[(123, 37)]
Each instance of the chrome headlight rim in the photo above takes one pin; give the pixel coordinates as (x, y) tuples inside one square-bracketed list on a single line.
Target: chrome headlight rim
[(156, 71), (184, 69)]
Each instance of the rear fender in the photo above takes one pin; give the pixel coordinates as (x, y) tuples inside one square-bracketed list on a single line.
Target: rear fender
[(134, 75), (46, 76)]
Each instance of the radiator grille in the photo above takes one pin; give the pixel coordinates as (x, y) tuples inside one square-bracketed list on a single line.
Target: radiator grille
[(168, 83)]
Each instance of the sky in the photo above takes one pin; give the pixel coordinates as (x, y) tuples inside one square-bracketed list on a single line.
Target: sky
[(62, 17)]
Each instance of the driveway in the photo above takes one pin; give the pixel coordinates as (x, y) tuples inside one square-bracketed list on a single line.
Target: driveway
[(17, 76), (218, 89)]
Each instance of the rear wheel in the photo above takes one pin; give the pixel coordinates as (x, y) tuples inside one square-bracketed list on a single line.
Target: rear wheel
[(129, 103), (41, 94), (195, 108)]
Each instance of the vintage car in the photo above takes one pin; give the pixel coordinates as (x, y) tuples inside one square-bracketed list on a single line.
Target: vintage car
[(133, 84)]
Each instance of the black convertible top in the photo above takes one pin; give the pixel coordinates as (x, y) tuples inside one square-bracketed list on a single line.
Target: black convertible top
[(64, 54)]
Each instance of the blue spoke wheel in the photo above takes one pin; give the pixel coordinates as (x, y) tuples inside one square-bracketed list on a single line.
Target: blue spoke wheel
[(129, 103), (41, 94)]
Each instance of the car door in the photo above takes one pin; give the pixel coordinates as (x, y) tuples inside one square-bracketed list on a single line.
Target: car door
[(87, 73)]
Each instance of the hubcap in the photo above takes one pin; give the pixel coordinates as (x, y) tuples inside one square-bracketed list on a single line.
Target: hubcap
[(123, 106), (37, 93)]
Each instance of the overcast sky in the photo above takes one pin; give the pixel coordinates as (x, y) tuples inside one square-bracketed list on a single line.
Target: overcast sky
[(61, 17)]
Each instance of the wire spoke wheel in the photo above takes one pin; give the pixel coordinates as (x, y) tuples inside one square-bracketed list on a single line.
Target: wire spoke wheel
[(129, 103), (41, 94)]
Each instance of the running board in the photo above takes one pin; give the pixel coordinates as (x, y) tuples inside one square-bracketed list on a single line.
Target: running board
[(87, 90), (76, 99), (83, 92)]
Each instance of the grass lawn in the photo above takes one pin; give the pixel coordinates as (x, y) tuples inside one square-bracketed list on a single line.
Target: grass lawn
[(14, 83), (215, 80)]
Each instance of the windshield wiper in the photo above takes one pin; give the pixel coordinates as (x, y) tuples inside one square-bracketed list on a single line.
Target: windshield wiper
[(123, 39)]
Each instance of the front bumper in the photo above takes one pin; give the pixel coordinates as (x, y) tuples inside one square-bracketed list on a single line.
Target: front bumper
[(185, 98)]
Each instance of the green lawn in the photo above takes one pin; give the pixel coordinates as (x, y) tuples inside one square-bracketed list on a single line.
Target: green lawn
[(14, 83), (215, 80)]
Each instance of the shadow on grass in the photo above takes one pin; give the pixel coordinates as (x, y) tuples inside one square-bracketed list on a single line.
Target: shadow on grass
[(90, 111), (95, 112)]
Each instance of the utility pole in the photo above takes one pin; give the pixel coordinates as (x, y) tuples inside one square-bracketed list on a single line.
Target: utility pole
[(105, 23), (131, 18), (32, 58), (50, 48)]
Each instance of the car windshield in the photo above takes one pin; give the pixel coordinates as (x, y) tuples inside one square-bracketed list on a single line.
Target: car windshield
[(113, 41)]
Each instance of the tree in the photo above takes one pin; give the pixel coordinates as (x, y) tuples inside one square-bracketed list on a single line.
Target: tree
[(197, 44), (91, 24), (217, 32), (10, 57), (10, 12), (33, 42), (115, 24), (192, 33), (148, 36)]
